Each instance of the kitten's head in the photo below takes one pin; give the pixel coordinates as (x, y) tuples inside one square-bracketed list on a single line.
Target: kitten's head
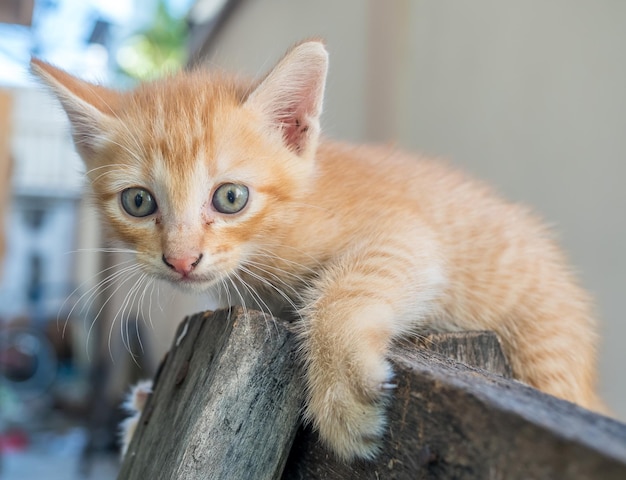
[(196, 172)]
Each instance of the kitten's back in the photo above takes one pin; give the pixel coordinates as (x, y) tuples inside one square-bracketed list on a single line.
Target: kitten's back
[(504, 271)]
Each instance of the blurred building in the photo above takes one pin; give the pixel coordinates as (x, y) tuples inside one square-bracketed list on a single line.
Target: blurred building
[(51, 232), (6, 165), (51, 318), (41, 225)]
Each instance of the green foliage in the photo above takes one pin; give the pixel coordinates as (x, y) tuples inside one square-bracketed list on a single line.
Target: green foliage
[(156, 51)]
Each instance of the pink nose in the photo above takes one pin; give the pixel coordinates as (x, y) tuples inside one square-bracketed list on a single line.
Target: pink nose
[(182, 265)]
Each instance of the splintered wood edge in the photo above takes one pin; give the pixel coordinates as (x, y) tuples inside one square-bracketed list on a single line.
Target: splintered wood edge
[(228, 396)]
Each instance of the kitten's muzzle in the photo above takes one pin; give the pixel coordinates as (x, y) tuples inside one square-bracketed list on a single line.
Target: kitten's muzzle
[(184, 265)]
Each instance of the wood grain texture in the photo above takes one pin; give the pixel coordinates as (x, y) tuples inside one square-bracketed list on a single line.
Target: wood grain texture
[(225, 405), (227, 402), (451, 421), (474, 349)]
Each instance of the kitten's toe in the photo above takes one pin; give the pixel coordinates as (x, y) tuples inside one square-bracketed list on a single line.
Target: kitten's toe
[(134, 405), (353, 433), (138, 396), (349, 418)]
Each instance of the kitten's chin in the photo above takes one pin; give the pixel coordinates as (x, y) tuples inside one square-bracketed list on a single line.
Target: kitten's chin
[(194, 285)]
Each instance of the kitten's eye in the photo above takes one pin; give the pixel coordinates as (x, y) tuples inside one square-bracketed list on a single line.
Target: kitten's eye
[(138, 202), (230, 198)]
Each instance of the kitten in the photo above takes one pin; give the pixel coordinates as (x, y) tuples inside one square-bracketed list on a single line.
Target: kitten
[(133, 406), (226, 185)]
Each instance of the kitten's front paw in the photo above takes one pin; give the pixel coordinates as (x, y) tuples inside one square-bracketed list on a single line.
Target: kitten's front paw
[(349, 414), (134, 405)]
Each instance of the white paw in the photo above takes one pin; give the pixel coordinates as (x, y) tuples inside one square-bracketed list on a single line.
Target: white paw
[(134, 405), (349, 415)]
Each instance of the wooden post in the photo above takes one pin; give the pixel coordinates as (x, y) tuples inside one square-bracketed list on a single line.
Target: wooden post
[(227, 403)]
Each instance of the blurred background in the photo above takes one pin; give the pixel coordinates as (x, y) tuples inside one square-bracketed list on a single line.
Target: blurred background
[(530, 96)]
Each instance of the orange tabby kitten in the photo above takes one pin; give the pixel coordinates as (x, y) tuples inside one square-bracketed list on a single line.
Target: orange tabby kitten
[(219, 184)]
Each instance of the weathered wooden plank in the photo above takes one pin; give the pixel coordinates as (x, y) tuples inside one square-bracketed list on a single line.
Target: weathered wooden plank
[(451, 421), (227, 401), (225, 405), (475, 349)]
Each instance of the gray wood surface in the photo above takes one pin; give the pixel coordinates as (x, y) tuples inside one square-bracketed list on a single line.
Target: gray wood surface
[(475, 349), (452, 421), (225, 404)]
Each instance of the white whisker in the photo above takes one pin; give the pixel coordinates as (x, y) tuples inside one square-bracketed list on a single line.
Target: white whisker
[(299, 266), (243, 302), (80, 287), (106, 283), (256, 298), (263, 268), (227, 292), (104, 304), (153, 283), (96, 289), (127, 303), (264, 281), (142, 298)]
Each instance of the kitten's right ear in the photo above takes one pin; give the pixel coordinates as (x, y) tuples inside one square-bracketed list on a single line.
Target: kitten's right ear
[(88, 106), (290, 97)]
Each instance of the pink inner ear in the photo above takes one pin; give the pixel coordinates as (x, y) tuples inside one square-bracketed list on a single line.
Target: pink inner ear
[(295, 119), (291, 95), (295, 128)]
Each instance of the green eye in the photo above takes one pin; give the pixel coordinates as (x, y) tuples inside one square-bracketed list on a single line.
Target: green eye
[(230, 198), (138, 202)]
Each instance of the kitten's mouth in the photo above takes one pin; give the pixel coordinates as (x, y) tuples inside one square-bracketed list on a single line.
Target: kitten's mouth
[(191, 278), (187, 279), (193, 281)]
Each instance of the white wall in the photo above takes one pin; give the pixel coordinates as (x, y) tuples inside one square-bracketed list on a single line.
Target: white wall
[(530, 96), (261, 31)]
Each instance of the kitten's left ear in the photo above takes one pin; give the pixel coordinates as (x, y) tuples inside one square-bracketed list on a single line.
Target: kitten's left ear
[(291, 95), (88, 106)]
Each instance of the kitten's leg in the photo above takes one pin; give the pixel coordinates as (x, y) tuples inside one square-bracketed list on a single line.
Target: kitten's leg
[(134, 405), (358, 306)]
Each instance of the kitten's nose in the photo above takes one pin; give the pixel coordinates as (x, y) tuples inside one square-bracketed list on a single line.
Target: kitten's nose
[(182, 265)]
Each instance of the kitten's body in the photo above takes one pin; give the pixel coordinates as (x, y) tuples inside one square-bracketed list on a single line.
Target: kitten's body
[(369, 244)]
